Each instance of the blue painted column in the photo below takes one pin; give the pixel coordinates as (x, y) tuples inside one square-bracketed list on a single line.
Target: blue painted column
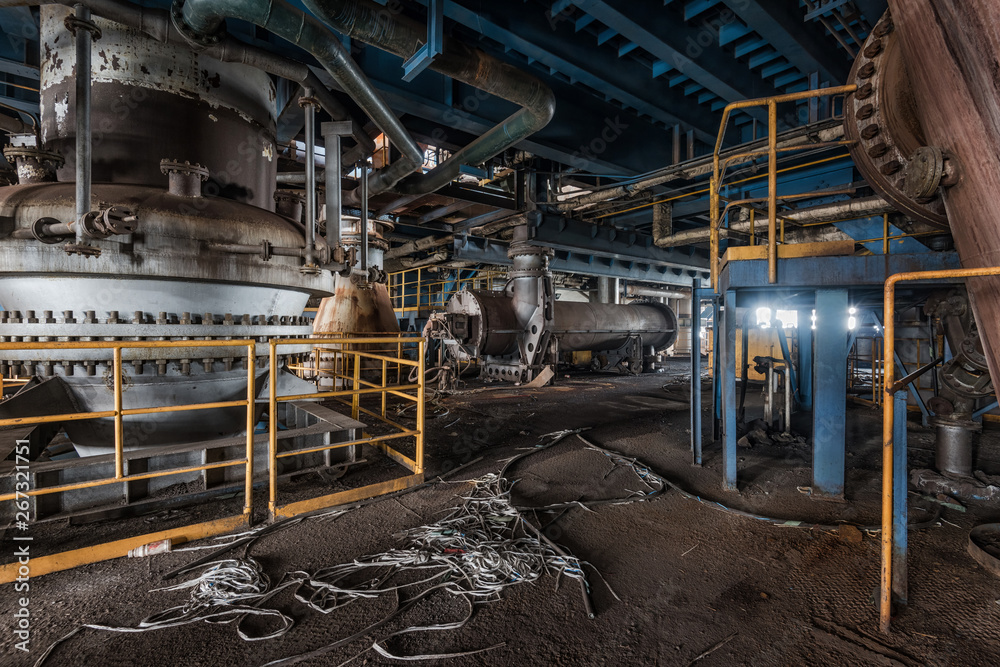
[(728, 372), (716, 374), (899, 496), (830, 393), (695, 373), (805, 335)]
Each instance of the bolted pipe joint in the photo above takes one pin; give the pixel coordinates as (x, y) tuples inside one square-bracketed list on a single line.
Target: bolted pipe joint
[(112, 221), (184, 178)]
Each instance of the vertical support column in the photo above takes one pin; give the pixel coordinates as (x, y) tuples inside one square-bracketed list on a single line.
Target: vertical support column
[(332, 133), (363, 229), (830, 394), (603, 289), (272, 429), (716, 371), (615, 290), (899, 495), (309, 106), (251, 400), (695, 373), (805, 374), (728, 370), (85, 31)]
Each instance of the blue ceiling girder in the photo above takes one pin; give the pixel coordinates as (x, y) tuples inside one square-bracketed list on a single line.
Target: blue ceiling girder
[(690, 49), (550, 42), (805, 45)]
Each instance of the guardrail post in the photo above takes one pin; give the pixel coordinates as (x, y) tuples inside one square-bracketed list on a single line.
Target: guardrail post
[(251, 400), (119, 418), (419, 455), (272, 429)]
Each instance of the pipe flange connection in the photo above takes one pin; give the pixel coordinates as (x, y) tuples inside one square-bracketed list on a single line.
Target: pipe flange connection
[(185, 168), (74, 23), (185, 179), (310, 269), (527, 249), (40, 227), (929, 169), (196, 39), (308, 102), (881, 121), (33, 165), (86, 251)]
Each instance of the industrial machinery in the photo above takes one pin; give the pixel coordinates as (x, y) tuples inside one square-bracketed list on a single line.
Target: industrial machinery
[(903, 119), (144, 210), (517, 332)]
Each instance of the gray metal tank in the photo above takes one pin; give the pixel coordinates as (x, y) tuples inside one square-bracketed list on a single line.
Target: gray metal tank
[(169, 278)]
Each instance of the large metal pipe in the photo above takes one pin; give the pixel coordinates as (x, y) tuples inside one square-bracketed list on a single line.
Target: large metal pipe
[(310, 130), (693, 168), (846, 210), (364, 222), (600, 326), (331, 178), (371, 23), (204, 20), (657, 292), (84, 37), (949, 48), (579, 326)]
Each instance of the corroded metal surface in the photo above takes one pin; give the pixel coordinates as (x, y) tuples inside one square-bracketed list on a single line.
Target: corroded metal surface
[(153, 100), (951, 49), (881, 117), (356, 309)]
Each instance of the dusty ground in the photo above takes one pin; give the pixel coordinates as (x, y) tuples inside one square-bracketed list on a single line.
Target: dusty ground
[(688, 575)]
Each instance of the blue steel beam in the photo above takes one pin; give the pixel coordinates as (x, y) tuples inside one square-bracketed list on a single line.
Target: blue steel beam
[(900, 495), (695, 372), (727, 366), (806, 45), (553, 43), (830, 394), (847, 271), (485, 251), (666, 35), (567, 234), (805, 333)]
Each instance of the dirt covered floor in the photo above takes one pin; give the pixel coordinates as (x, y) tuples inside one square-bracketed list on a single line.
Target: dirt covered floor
[(690, 578)]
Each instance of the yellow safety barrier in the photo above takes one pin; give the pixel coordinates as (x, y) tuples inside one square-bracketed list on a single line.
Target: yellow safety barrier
[(348, 369), (719, 167), (889, 418), (411, 291), (69, 559)]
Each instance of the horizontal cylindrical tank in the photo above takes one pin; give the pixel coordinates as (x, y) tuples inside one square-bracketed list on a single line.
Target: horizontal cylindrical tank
[(603, 326), (493, 329)]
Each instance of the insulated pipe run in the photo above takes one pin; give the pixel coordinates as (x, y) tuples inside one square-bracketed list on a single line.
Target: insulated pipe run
[(635, 290), (846, 210), (310, 112), (363, 223), (371, 23), (83, 143), (204, 19), (331, 176)]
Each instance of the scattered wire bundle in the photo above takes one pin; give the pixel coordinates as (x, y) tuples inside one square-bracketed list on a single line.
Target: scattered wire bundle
[(481, 548), (226, 591)]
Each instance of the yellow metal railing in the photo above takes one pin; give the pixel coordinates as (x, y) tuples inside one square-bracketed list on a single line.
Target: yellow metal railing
[(719, 167), (351, 355), (354, 354), (66, 560), (414, 290), (889, 417)]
